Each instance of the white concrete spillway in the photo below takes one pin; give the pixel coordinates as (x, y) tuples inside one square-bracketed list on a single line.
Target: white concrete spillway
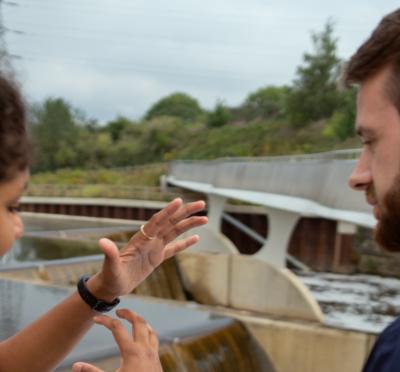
[(289, 187)]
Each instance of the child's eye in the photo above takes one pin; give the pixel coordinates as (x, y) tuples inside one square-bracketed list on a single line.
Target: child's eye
[(14, 208)]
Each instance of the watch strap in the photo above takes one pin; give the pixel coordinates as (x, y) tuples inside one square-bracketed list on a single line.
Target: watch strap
[(92, 301)]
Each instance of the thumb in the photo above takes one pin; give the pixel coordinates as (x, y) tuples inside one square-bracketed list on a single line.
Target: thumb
[(85, 367), (111, 253)]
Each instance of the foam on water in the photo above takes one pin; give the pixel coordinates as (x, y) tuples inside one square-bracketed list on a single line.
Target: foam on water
[(359, 302)]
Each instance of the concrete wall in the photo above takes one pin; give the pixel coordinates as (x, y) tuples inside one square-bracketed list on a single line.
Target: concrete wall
[(246, 283), (311, 348), (321, 178)]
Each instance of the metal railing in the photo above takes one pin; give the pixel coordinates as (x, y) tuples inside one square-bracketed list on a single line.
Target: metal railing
[(330, 155)]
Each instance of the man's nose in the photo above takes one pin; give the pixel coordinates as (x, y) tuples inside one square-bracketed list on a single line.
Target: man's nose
[(361, 176)]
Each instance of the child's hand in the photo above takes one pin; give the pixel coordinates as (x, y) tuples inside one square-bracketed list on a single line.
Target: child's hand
[(139, 350), (124, 270)]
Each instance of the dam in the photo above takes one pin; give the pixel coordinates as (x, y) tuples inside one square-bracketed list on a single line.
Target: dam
[(312, 320)]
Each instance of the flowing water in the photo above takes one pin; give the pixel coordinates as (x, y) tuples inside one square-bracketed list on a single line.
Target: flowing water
[(191, 340), (365, 303)]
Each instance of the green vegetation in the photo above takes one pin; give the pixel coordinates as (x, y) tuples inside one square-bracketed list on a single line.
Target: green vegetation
[(179, 105), (266, 103), (220, 116), (311, 115), (148, 175), (314, 94)]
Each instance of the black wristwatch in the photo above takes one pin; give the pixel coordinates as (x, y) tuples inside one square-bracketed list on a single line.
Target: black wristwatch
[(93, 302)]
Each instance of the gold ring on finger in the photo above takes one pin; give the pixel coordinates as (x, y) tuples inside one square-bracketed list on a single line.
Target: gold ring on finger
[(145, 235)]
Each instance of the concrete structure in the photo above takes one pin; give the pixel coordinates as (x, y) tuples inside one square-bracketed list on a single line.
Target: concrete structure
[(288, 188), (307, 345), (241, 282)]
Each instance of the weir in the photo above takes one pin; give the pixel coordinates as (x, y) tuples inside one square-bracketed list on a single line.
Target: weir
[(192, 339), (273, 305)]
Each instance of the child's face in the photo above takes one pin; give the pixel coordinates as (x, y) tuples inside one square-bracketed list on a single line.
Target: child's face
[(11, 226)]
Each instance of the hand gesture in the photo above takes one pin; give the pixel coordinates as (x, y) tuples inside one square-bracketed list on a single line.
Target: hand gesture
[(124, 270), (139, 350)]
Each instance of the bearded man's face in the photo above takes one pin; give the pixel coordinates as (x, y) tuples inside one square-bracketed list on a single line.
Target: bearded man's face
[(377, 172)]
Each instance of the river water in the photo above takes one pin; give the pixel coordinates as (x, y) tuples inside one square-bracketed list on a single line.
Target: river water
[(55, 238), (366, 303)]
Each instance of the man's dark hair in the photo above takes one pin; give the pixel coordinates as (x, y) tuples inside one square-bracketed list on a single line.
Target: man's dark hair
[(380, 50), (14, 143)]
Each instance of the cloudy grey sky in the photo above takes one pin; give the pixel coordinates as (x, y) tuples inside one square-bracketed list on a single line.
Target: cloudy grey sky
[(117, 57)]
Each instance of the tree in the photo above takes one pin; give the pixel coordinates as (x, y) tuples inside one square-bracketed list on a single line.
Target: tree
[(220, 116), (314, 95), (265, 103), (179, 105), (55, 133), (117, 127)]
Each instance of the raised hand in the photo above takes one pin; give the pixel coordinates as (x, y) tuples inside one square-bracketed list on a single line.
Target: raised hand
[(139, 350), (123, 270)]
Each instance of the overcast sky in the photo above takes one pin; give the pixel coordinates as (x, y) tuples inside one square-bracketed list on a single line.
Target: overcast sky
[(117, 57)]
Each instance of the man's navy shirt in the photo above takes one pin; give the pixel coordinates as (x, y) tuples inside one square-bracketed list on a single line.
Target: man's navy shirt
[(385, 355)]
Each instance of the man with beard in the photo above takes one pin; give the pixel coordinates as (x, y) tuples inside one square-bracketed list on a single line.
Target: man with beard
[(375, 69)]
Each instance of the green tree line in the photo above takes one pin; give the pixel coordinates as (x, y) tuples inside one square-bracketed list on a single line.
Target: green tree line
[(311, 114)]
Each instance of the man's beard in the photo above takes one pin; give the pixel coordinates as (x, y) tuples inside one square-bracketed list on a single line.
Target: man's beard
[(387, 231)]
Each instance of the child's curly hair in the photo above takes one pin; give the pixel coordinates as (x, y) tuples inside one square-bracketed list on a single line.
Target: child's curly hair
[(15, 147)]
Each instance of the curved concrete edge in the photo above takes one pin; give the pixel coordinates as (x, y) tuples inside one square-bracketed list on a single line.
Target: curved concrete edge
[(205, 276), (245, 283), (259, 286), (305, 293), (211, 241)]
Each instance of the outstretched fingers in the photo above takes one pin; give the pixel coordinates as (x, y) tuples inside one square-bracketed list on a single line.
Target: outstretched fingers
[(174, 213), (187, 210), (175, 247), (158, 220), (183, 226)]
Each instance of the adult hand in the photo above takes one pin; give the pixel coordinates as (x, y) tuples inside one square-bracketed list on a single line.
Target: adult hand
[(124, 270), (139, 350)]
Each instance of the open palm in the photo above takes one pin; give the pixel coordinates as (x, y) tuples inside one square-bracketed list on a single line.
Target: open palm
[(124, 270)]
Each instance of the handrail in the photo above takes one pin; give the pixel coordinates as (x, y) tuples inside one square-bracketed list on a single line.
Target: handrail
[(330, 155)]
